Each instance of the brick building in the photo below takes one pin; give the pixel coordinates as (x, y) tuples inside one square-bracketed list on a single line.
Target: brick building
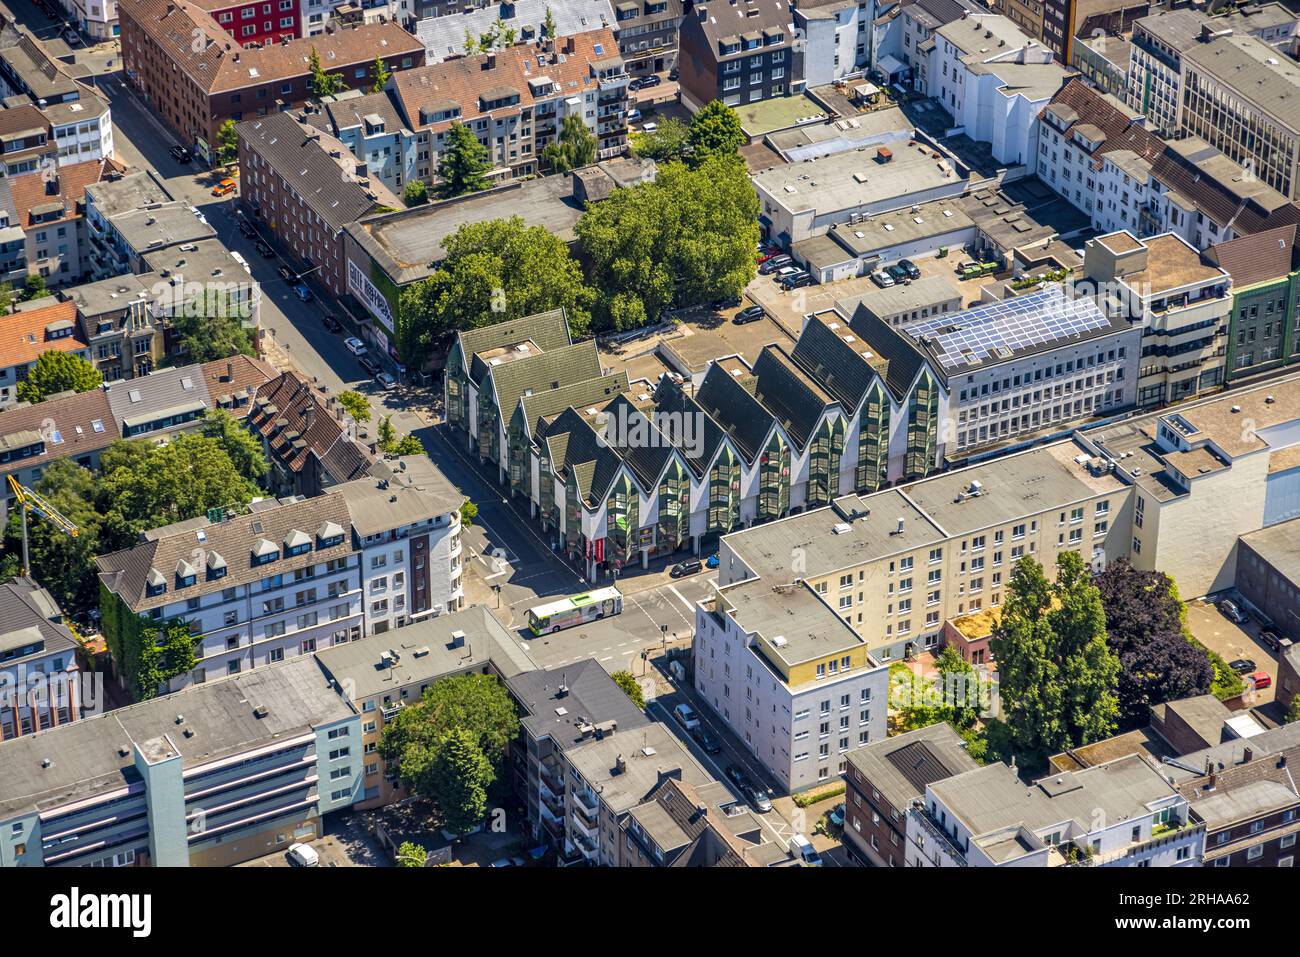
[(195, 75)]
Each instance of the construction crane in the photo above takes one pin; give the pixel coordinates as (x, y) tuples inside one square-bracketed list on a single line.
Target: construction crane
[(29, 499)]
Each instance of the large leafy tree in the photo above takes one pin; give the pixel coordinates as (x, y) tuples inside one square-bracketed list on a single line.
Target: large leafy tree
[(416, 193), (951, 694), (211, 327), (1057, 677), (575, 147), (495, 270), (1146, 628), (457, 780), (227, 144), (477, 704), (145, 486), (244, 450), (715, 131), (668, 142), (56, 372), (463, 163), (355, 405), (685, 239)]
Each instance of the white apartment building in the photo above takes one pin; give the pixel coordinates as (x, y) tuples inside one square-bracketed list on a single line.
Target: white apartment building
[(97, 19), (1119, 814), (790, 676), (836, 34), (292, 576), (1028, 363), (40, 676)]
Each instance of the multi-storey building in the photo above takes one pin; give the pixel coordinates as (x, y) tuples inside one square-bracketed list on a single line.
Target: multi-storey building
[(117, 321), (1265, 273), (40, 676), (1119, 814), (902, 38), (212, 776), (114, 196), (195, 76), (26, 141), (1025, 364), (29, 334), (680, 825), (885, 778), (372, 130), (83, 424), (48, 207), (291, 184), (1180, 301), (382, 674), (97, 19), (259, 23), (515, 100), (790, 676), (836, 35), (738, 51)]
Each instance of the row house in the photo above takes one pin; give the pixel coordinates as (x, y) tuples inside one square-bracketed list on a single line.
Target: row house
[(40, 674), (212, 776), (26, 141), (739, 52), (1250, 808), (127, 340), (1265, 275), (256, 24), (29, 334), (373, 132), (195, 76), (515, 100)]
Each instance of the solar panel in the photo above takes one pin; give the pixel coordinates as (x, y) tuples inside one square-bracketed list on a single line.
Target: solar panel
[(1014, 325)]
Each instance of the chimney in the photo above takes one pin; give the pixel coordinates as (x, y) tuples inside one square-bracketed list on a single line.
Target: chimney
[(311, 416), (230, 371), (620, 764), (491, 61), (1247, 754)]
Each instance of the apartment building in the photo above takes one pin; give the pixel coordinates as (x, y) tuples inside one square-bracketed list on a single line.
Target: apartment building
[(211, 776), (1123, 813), (1261, 326), (117, 321), (48, 208), (515, 101), (80, 119), (1028, 363), (196, 76), (26, 336), (95, 18), (1099, 156), (40, 674), (261, 23), (684, 826), (790, 676), (373, 132), (738, 51), (116, 195), (836, 35), (83, 425), (1180, 300), (26, 141), (885, 778), (1268, 578), (994, 81), (903, 38), (382, 674), (1238, 95), (291, 184)]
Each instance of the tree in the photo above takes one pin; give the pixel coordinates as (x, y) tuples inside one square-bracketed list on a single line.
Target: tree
[(668, 142), (715, 130), (548, 25), (574, 148), (34, 287), (1293, 712), (457, 781), (409, 445), (1146, 627), (410, 854), (468, 512), (416, 193), (952, 695), (463, 163), (210, 327), (685, 239), (355, 405), (56, 372), (387, 436), (382, 75), (145, 486), (227, 144), (6, 298), (495, 270), (1056, 675), (630, 688), (321, 83), (244, 450)]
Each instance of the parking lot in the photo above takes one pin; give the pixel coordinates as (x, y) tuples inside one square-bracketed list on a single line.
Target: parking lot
[(1210, 627)]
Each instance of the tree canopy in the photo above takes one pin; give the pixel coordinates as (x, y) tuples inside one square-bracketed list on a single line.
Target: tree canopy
[(1146, 629), (227, 144), (56, 372), (243, 448), (1057, 677), (382, 75), (415, 193), (457, 780), (463, 163), (630, 687), (210, 327), (715, 131), (668, 142), (685, 239), (322, 83), (495, 270), (355, 405), (575, 147)]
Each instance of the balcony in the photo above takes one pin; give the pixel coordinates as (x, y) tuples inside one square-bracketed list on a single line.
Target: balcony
[(586, 847), (587, 802), (935, 832)]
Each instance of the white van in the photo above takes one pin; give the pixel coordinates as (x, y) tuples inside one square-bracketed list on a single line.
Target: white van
[(686, 716), (802, 848)]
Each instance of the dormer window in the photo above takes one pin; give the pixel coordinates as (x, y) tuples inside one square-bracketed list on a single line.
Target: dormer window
[(329, 535), (185, 574), (265, 552), (155, 583), (297, 543), (216, 566)]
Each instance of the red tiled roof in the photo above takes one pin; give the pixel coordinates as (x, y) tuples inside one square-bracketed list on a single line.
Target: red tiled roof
[(23, 335), (30, 190)]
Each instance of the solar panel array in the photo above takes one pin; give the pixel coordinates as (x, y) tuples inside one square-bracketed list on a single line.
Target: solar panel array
[(1014, 325)]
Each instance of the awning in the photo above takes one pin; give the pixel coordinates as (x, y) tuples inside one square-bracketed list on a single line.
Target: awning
[(889, 66)]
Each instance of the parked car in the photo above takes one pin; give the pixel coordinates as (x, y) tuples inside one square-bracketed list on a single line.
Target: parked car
[(1260, 680), (672, 75), (634, 84), (180, 154), (355, 346), (803, 850), (1243, 666), (330, 323), (837, 815), (909, 267), (797, 281), (736, 774), (302, 855), (898, 274), (386, 381), (882, 279), (71, 37), (686, 716), (508, 862), (649, 127), (649, 81), (285, 272), (682, 569), (1232, 611), (758, 797), (369, 365), (712, 561), (225, 187), (706, 739), (749, 314), (775, 263), (264, 249), (302, 292), (1271, 640), (633, 115), (784, 272)]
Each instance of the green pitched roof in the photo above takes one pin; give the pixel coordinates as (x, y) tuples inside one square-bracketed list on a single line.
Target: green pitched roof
[(582, 455), (726, 399), (544, 372), (834, 364), (793, 398), (670, 397), (589, 392), (547, 330), (904, 358)]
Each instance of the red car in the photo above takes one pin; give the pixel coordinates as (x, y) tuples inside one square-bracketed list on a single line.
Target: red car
[(1260, 680), (766, 252)]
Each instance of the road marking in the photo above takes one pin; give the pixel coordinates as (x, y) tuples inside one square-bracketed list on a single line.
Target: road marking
[(682, 598)]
